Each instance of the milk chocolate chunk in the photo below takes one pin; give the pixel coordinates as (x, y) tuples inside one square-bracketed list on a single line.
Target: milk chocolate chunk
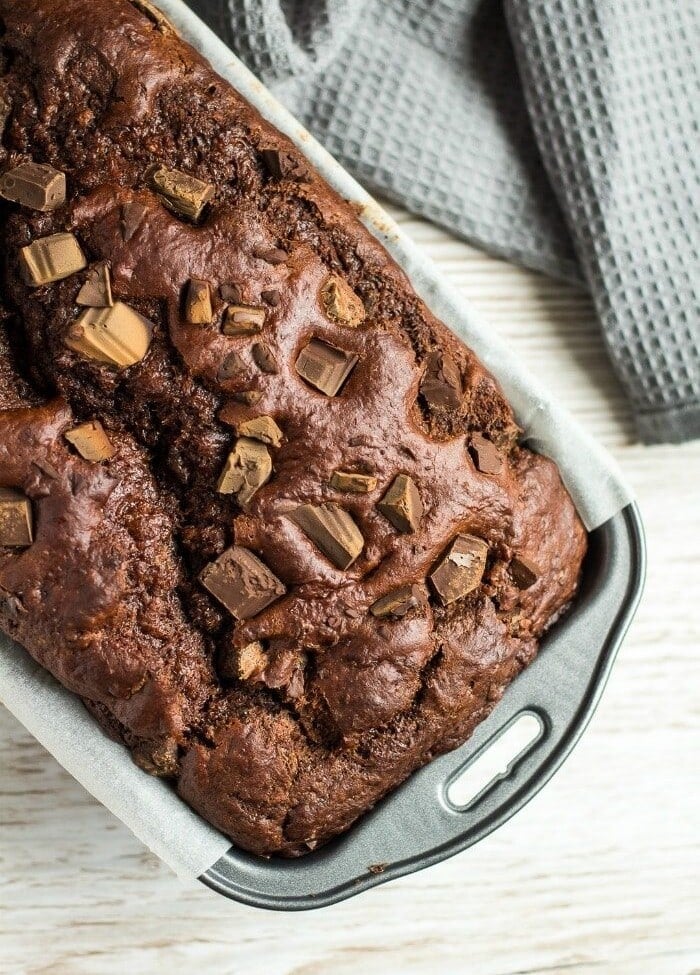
[(241, 582), (523, 572), (441, 384), (34, 185), (261, 428), (132, 216), (183, 194), (91, 441), (243, 320), (247, 468), (324, 366), (340, 302), (51, 258), (264, 359), (402, 504), (281, 164), (332, 529), (396, 604), (16, 526), (273, 255), (356, 483), (485, 455), (230, 292), (198, 310), (461, 569), (97, 290), (271, 297), (117, 336)]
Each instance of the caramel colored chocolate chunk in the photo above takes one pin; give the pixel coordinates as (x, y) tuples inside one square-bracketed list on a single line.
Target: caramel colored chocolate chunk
[(402, 504), (241, 582), (16, 526), (51, 258), (485, 454), (325, 367), (355, 483), (340, 302), (281, 164), (198, 310), (523, 572), (183, 194), (461, 569), (91, 441), (251, 661), (264, 359), (97, 290), (441, 384), (261, 428), (247, 468), (243, 320), (332, 529), (272, 255), (396, 604), (117, 336), (34, 185)]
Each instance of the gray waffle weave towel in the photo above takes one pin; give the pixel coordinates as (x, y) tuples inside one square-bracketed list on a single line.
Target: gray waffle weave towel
[(562, 134)]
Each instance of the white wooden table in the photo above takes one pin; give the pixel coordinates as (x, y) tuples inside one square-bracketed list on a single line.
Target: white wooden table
[(599, 875)]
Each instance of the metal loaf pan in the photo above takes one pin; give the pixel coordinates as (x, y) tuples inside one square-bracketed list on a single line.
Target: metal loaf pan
[(416, 825)]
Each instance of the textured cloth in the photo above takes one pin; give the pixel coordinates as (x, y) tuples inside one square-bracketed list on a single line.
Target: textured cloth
[(562, 134)]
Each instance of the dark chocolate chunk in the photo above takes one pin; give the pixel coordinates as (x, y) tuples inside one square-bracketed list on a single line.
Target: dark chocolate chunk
[(271, 297), (461, 569), (281, 164), (243, 320), (241, 582), (230, 292), (97, 290), (324, 366), (34, 185), (231, 366), (198, 310), (248, 396), (486, 456), (441, 384), (399, 602), (273, 255), (264, 359), (16, 525), (524, 572), (332, 529), (340, 302), (132, 216), (402, 504)]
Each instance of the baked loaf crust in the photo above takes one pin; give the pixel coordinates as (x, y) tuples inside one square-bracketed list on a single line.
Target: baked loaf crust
[(259, 509)]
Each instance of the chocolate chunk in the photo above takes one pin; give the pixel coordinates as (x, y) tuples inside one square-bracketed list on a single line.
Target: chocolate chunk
[(185, 195), (264, 359), (251, 661), (247, 468), (198, 310), (402, 504), (243, 320), (273, 255), (34, 185), (340, 302), (91, 441), (132, 216), (324, 366), (282, 164), (523, 572), (271, 297), (485, 455), (461, 569), (241, 582), (332, 529), (230, 292), (441, 384), (357, 483), (249, 397), (261, 428), (231, 366), (397, 603), (160, 758), (16, 525), (97, 290), (117, 336), (51, 259)]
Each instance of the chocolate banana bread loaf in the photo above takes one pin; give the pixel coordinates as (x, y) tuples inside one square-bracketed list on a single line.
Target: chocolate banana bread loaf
[(258, 508)]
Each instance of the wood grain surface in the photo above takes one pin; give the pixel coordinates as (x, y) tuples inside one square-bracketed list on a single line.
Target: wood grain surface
[(599, 874)]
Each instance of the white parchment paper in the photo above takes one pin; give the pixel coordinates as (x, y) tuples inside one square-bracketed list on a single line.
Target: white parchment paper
[(148, 806)]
